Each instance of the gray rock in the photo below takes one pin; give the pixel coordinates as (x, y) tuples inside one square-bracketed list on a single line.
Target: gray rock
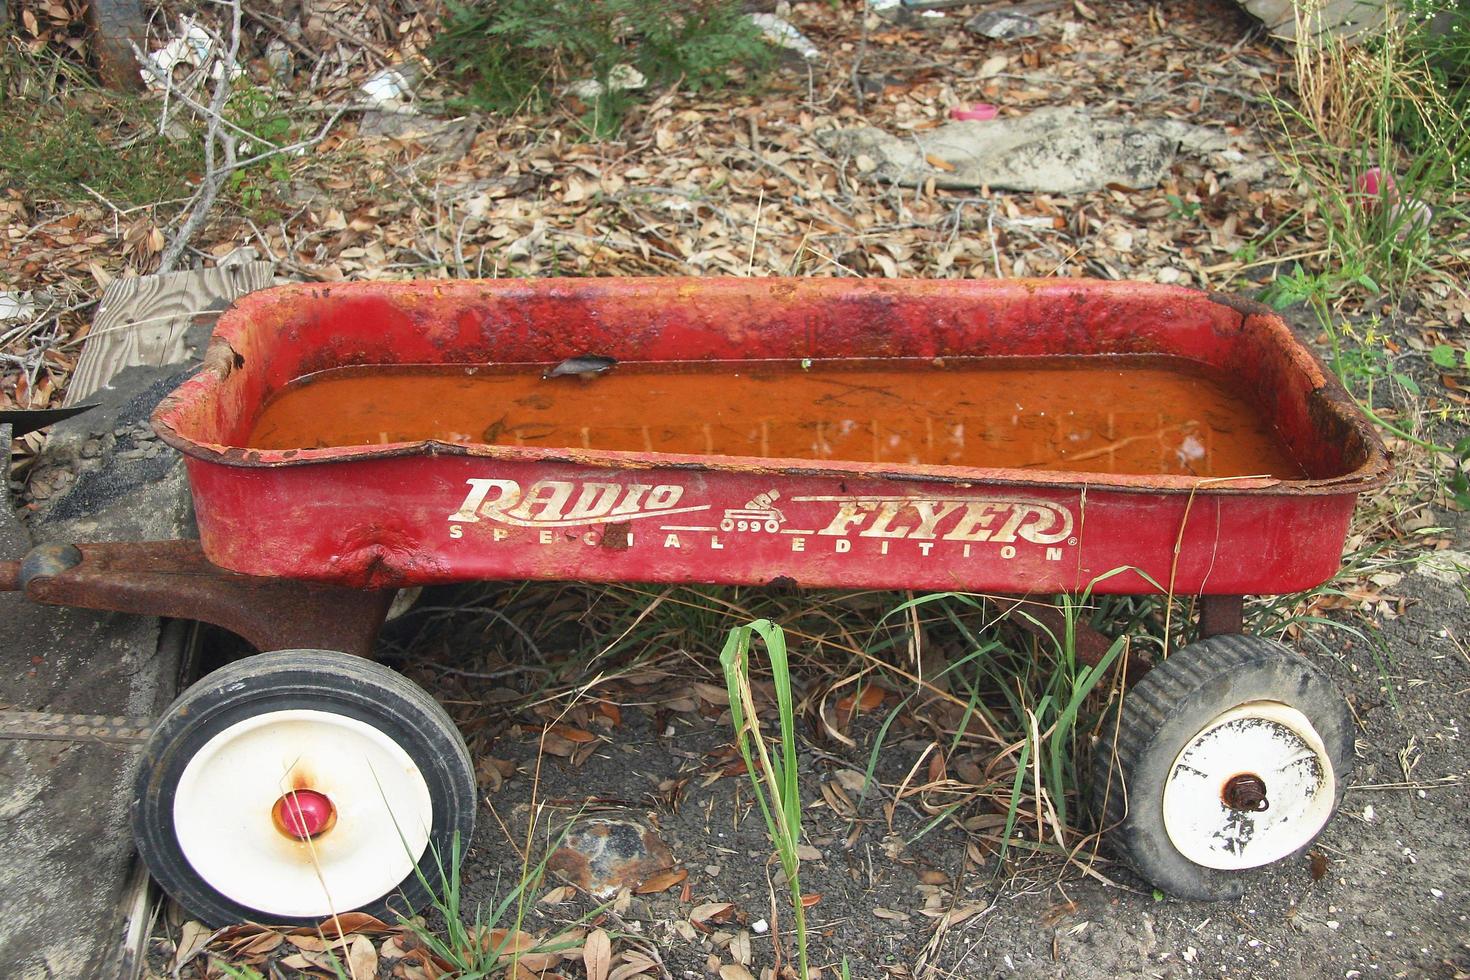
[(1343, 19), (1054, 150), (1003, 25)]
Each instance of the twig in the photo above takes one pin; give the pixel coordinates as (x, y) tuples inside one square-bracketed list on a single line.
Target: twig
[(214, 177), (222, 138), (857, 61)]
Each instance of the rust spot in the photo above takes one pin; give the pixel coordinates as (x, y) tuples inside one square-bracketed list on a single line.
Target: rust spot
[(783, 582), (603, 855), (617, 536), (1245, 792)]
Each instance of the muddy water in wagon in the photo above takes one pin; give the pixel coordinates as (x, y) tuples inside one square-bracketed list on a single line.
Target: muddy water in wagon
[(1133, 414)]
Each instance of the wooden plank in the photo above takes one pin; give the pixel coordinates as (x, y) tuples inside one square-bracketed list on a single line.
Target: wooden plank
[(144, 320)]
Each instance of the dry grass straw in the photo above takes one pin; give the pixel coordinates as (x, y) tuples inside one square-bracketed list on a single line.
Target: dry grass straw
[(1341, 84), (1364, 106)]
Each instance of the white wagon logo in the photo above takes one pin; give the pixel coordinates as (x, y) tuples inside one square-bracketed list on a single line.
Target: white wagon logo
[(757, 515)]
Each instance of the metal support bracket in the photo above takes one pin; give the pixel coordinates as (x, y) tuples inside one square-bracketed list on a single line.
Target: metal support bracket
[(1221, 615)]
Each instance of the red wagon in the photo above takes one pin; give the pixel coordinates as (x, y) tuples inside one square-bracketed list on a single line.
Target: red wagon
[(823, 433)]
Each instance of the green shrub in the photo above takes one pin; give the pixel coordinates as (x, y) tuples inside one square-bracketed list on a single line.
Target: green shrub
[(511, 55)]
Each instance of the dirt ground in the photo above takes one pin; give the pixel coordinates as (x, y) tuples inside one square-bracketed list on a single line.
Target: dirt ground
[(1388, 895)]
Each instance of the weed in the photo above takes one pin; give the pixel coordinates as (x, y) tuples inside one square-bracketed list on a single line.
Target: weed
[(775, 779), (475, 944), (63, 138), (256, 110), (1180, 209), (1377, 203), (512, 54)]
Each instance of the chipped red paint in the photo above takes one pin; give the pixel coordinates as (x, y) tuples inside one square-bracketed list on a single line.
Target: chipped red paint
[(424, 512)]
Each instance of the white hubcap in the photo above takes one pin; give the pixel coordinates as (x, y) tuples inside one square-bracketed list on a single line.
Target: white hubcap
[(225, 798), (1253, 786)]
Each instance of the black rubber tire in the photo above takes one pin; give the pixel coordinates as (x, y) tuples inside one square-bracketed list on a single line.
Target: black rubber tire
[(322, 680), (1165, 710)]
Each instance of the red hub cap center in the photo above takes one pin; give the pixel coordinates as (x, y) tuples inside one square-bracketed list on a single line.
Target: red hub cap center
[(303, 813)]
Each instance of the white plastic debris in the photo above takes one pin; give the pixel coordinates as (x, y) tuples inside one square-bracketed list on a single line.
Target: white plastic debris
[(622, 78), (780, 32), (759, 927), (16, 306), (193, 47), (390, 88)]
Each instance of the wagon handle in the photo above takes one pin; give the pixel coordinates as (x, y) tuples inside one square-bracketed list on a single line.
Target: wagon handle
[(173, 579)]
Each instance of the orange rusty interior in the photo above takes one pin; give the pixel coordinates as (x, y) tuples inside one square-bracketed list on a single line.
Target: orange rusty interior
[(1142, 414), (273, 339)]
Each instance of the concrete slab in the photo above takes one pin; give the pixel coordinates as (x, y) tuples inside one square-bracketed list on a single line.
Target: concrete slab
[(66, 867)]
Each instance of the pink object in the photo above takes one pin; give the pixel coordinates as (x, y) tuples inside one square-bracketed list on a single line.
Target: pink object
[(303, 813), (1374, 184), (979, 112)]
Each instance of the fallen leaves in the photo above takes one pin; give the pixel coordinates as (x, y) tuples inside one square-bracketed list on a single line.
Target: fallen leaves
[(662, 882), (597, 955)]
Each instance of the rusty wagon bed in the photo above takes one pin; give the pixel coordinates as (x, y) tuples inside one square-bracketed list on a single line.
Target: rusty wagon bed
[(411, 513)]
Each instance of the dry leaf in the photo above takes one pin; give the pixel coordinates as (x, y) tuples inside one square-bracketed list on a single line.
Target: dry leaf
[(350, 922), (662, 881), (734, 971), (633, 964), (871, 697), (597, 954), (573, 734), (362, 959), (192, 940), (554, 744), (711, 912), (559, 894)]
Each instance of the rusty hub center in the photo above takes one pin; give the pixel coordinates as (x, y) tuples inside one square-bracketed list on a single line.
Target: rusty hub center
[(1245, 792), (303, 814)]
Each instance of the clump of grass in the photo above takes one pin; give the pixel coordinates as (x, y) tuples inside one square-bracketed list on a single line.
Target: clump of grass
[(1374, 139), (467, 942), (60, 131), (512, 55), (774, 777)]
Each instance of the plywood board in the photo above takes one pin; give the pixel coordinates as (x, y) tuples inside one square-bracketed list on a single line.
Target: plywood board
[(144, 320)]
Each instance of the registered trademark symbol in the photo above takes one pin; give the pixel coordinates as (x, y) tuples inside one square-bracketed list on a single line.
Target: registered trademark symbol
[(1072, 541)]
